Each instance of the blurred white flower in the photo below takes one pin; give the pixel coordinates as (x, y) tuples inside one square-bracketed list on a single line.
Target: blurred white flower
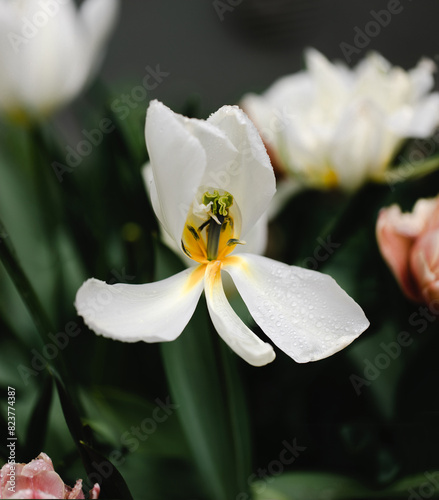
[(49, 49), (211, 183), (331, 126)]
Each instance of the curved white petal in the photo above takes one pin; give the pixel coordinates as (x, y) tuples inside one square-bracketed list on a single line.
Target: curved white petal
[(229, 326), (304, 312), (153, 312), (250, 178), (421, 77), (419, 120), (151, 190), (178, 163), (96, 20), (99, 18)]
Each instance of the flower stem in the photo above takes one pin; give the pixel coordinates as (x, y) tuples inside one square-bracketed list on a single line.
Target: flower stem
[(23, 285)]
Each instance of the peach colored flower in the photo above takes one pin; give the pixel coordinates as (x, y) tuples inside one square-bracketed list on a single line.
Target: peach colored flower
[(38, 479), (409, 243)]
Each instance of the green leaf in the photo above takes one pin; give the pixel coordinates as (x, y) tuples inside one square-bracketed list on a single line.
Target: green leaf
[(308, 485), (410, 170), (133, 424), (101, 470), (38, 422), (327, 486)]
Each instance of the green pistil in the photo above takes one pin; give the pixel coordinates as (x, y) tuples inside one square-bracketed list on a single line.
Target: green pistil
[(220, 202), (213, 237)]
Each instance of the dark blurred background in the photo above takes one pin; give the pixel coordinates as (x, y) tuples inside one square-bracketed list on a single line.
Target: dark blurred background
[(217, 50)]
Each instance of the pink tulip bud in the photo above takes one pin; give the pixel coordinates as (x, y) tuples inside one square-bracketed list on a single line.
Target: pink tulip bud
[(38, 479), (409, 243)]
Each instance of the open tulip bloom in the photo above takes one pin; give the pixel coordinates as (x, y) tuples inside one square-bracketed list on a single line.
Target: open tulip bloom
[(331, 126), (212, 182)]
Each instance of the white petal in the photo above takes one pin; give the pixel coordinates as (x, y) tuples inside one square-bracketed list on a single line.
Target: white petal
[(250, 178), (331, 83), (99, 18), (153, 312), (422, 78), (419, 120), (165, 237), (151, 190), (178, 163), (229, 326), (361, 145), (304, 312)]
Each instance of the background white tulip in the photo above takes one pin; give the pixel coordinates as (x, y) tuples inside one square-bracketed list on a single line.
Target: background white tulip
[(49, 49), (330, 126)]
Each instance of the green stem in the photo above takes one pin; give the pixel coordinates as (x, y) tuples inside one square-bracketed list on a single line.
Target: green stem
[(239, 421), (23, 285)]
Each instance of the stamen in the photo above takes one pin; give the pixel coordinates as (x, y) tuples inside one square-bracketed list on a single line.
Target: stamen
[(185, 250), (204, 224), (193, 232), (234, 241)]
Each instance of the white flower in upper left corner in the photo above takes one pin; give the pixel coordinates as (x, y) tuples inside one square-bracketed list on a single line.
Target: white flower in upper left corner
[(212, 182), (49, 51)]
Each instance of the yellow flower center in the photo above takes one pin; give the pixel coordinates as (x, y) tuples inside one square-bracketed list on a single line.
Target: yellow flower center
[(212, 228), (330, 179)]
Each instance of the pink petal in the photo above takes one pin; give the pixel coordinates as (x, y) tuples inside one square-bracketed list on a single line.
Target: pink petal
[(76, 492), (50, 483), (22, 484), (37, 465), (424, 264), (95, 492), (395, 241)]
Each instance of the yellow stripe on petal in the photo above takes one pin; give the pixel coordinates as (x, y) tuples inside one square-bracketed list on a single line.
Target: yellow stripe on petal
[(195, 278)]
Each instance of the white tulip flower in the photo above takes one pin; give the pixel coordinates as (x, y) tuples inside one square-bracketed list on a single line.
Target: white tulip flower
[(49, 50), (331, 126), (212, 182)]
